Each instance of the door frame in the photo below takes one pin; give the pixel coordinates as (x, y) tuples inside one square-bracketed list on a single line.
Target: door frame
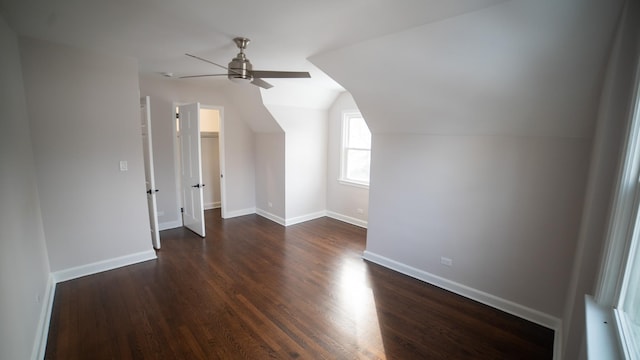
[(222, 155)]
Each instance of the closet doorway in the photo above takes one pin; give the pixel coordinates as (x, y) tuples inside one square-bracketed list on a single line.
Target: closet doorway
[(210, 147), (211, 119)]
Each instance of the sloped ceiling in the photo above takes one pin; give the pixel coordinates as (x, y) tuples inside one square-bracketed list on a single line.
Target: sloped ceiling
[(520, 67), (284, 33), (456, 66)]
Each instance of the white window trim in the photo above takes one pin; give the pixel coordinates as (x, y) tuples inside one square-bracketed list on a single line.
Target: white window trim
[(343, 163), (628, 348), (353, 183), (622, 228)]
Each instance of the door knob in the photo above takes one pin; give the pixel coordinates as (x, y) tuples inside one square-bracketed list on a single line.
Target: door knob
[(152, 191)]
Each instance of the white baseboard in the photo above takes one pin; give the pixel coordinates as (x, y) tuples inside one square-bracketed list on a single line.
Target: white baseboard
[(557, 342), (290, 221), (42, 331), (213, 205), (241, 212), (169, 225), (312, 216), (348, 219), (275, 218), (306, 217), (507, 306), (100, 266)]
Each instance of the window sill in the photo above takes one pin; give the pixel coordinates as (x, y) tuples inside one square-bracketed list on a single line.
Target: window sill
[(354, 184), (602, 342)]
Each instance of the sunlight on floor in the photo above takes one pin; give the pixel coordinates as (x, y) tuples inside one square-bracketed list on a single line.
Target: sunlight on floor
[(359, 303)]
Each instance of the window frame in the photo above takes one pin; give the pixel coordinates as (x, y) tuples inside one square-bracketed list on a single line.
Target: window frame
[(623, 233), (344, 148)]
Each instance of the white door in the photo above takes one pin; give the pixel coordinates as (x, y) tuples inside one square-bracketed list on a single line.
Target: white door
[(147, 150), (191, 176)]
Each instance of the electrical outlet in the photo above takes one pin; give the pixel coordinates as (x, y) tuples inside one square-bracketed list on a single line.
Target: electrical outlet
[(446, 261), (360, 211), (270, 204)]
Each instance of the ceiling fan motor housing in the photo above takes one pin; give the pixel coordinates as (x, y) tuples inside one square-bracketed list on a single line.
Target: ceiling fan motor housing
[(240, 68)]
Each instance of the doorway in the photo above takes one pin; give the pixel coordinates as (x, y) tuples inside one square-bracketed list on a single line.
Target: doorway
[(210, 144), (212, 155)]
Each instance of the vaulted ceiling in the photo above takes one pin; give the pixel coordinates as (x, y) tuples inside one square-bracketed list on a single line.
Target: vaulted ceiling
[(462, 66), (284, 33), (518, 68)]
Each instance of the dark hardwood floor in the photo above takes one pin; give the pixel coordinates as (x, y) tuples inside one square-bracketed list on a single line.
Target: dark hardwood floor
[(253, 289)]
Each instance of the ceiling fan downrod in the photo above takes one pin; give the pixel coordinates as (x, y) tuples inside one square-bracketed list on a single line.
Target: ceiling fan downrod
[(240, 68)]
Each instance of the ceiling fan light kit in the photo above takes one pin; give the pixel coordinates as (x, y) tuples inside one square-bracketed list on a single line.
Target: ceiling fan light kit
[(241, 70)]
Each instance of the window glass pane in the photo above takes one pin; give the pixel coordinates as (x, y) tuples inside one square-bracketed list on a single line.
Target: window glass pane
[(635, 333), (359, 134), (358, 165), (631, 300)]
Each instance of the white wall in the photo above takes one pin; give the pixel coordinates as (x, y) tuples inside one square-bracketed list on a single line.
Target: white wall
[(209, 120), (613, 118), (84, 118), (343, 201), (209, 133), (305, 160), (480, 152), (24, 266), (211, 170), (238, 136), (504, 209), (270, 175)]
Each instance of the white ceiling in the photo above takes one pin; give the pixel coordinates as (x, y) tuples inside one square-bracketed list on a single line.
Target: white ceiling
[(284, 33), (522, 67), (437, 66)]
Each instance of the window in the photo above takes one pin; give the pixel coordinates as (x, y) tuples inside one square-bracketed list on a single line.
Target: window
[(619, 281), (627, 298), (356, 150), (627, 313)]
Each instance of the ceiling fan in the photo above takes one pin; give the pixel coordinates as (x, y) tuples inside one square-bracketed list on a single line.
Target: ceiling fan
[(240, 69)]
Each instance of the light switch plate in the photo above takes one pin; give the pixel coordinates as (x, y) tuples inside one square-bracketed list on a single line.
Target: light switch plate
[(123, 165)]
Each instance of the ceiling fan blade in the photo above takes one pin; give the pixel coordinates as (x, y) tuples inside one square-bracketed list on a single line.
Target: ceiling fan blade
[(279, 74), (207, 61), (263, 84), (205, 75)]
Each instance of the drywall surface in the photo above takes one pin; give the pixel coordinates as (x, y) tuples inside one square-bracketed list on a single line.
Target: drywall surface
[(505, 210), (211, 171), (270, 173), (519, 67), (342, 199), (614, 115), (305, 159), (24, 266), (482, 150), (237, 136), (84, 117)]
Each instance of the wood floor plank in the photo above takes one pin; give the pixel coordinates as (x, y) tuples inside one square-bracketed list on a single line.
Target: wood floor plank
[(253, 289)]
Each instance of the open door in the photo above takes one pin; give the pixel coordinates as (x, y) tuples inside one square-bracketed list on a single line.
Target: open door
[(147, 150), (191, 176)]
